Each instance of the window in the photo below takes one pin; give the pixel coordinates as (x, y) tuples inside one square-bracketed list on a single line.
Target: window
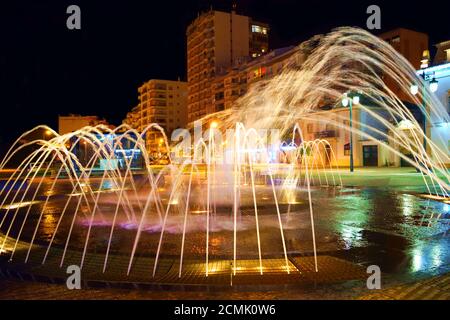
[(258, 29), (448, 100), (309, 128), (347, 149), (395, 39)]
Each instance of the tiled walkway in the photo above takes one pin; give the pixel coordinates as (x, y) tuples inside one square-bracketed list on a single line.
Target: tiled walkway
[(436, 288)]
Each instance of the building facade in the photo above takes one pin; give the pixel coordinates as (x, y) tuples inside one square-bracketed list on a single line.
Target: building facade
[(217, 41), (440, 128), (411, 45), (163, 102), (74, 122), (329, 125)]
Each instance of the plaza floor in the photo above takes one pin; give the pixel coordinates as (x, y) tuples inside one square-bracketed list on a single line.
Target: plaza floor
[(337, 278), (435, 288)]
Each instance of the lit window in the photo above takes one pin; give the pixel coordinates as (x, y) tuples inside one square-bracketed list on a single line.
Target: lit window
[(309, 128), (256, 29)]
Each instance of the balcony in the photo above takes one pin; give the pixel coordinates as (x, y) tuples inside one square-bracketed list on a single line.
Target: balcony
[(325, 134)]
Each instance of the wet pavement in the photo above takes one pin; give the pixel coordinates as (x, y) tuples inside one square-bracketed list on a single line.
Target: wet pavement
[(407, 236)]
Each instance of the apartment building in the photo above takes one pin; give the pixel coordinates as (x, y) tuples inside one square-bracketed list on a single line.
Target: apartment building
[(74, 122), (163, 102), (235, 83), (217, 41), (133, 118)]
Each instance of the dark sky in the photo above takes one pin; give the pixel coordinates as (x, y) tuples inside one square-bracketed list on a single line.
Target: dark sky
[(46, 69)]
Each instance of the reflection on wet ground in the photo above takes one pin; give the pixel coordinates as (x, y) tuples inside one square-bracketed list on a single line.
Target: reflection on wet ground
[(402, 233)]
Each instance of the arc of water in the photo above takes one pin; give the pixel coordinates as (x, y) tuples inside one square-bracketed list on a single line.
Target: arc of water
[(172, 193), (256, 214), (185, 222), (297, 127)]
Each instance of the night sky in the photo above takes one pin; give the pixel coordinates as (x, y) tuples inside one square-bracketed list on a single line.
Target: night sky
[(46, 69)]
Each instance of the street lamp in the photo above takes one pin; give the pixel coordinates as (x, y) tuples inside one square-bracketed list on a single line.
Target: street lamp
[(347, 101), (433, 85), (46, 134), (414, 89), (214, 125)]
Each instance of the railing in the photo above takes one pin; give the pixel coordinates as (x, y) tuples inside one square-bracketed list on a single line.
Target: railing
[(325, 134)]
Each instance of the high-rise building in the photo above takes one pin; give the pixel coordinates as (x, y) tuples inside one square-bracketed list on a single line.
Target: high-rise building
[(442, 53), (217, 41), (163, 102)]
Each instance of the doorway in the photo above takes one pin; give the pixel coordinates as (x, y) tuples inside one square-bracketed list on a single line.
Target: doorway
[(370, 156)]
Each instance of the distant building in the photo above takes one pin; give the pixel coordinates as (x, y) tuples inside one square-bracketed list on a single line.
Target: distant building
[(411, 45), (235, 83), (442, 53), (366, 152), (217, 41), (163, 102), (133, 118), (440, 128), (74, 122)]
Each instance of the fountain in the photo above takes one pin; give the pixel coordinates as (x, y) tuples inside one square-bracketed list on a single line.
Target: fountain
[(230, 199)]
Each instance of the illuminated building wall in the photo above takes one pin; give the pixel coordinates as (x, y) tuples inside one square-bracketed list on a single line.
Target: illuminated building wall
[(439, 129), (74, 122), (163, 102), (234, 83), (411, 45), (324, 127), (217, 41)]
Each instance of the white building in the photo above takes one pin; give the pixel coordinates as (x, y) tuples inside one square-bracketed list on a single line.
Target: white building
[(439, 129)]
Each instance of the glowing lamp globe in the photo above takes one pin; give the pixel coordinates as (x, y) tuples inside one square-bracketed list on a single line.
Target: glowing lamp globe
[(345, 101), (414, 89), (433, 85)]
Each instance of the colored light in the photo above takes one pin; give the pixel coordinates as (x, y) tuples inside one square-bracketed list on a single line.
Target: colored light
[(414, 89), (433, 85)]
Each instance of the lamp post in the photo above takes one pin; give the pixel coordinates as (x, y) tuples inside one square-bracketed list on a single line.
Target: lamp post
[(433, 84), (414, 89), (347, 101)]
